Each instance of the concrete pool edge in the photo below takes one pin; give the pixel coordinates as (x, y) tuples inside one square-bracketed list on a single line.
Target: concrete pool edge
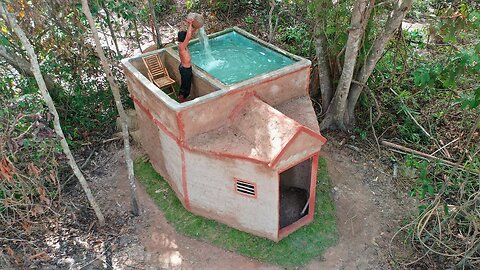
[(249, 132), (299, 64)]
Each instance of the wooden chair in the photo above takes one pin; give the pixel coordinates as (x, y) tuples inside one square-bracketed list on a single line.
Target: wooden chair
[(157, 73)]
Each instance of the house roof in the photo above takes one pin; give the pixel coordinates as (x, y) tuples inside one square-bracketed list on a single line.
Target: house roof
[(260, 133)]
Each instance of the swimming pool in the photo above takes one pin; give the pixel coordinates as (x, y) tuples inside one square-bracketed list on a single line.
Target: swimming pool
[(235, 58)]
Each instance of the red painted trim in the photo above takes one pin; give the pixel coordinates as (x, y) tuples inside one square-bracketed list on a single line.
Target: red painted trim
[(184, 179), (296, 163), (284, 148), (181, 141), (278, 206), (313, 185), (186, 199), (294, 226), (314, 134), (228, 155), (165, 129), (235, 179), (240, 105), (136, 101), (248, 87), (301, 129), (155, 121), (181, 144), (283, 232)]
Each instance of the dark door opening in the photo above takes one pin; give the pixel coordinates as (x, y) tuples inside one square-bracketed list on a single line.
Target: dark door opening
[(295, 192)]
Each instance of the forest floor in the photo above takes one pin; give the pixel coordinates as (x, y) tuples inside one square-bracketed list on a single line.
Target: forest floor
[(369, 208)]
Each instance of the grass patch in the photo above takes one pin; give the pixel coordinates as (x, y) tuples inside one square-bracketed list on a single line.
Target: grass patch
[(295, 250)]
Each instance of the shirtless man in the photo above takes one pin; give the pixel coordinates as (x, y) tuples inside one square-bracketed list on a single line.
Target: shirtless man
[(185, 67)]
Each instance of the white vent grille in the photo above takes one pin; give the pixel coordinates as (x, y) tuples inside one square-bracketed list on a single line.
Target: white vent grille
[(245, 188)]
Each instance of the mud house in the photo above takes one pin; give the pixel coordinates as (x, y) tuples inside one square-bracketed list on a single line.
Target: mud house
[(243, 153)]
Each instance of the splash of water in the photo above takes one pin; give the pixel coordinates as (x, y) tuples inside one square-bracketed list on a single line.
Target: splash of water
[(204, 40), (206, 45)]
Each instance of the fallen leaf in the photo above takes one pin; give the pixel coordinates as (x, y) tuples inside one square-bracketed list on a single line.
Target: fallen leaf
[(37, 210), (33, 169), (9, 251), (27, 227), (41, 256)]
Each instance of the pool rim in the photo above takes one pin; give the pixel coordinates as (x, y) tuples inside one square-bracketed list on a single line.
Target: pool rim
[(299, 64)]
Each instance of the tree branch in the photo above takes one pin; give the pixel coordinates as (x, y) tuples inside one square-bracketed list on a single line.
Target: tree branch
[(118, 103), (393, 23), (24, 67), (335, 117), (35, 69), (324, 73)]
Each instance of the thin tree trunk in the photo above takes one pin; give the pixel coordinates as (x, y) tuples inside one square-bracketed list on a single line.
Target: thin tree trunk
[(110, 27), (270, 17), (335, 116), (393, 23), (158, 40), (56, 121), (118, 103), (24, 67), (324, 73), (137, 35)]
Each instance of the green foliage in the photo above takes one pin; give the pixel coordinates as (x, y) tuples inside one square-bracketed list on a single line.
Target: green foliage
[(461, 66), (297, 249), (361, 132), (162, 6), (226, 6), (87, 106), (29, 153), (424, 185), (249, 20), (338, 20), (447, 197), (85, 103), (297, 39), (222, 5), (434, 70)]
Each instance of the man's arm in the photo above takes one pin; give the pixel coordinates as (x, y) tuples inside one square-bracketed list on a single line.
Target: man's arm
[(189, 31)]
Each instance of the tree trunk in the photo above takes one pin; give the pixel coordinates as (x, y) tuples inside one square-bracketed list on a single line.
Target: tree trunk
[(35, 69), (335, 116), (270, 17), (110, 27), (118, 103), (137, 35), (376, 52), (324, 73), (158, 40), (24, 67)]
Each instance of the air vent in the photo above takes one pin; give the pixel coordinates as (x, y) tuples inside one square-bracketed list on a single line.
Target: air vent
[(245, 188)]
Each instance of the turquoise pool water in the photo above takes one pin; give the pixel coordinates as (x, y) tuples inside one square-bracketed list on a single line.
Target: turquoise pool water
[(234, 58)]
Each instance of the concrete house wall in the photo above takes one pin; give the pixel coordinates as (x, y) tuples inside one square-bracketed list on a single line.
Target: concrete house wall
[(203, 175), (211, 192)]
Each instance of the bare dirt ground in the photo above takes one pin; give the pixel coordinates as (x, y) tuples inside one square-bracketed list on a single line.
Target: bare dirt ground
[(367, 210)]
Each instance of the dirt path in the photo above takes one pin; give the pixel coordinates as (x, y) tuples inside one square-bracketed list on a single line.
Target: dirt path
[(365, 210)]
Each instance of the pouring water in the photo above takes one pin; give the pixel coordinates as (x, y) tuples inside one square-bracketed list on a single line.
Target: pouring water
[(203, 37), (206, 45)]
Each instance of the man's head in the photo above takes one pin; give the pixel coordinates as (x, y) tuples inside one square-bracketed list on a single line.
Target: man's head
[(181, 36)]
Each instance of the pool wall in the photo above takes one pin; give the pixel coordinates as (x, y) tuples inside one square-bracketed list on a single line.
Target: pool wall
[(204, 175)]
